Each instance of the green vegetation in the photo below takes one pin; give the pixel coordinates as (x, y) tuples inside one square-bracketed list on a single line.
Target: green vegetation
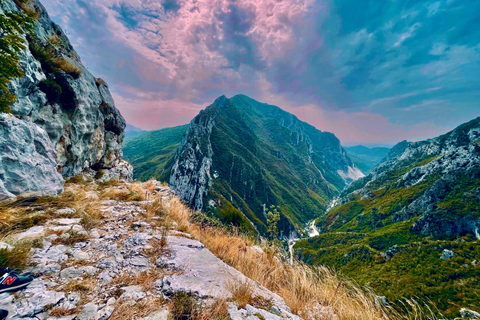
[(257, 162), (13, 27), (152, 153), (375, 240), (273, 216)]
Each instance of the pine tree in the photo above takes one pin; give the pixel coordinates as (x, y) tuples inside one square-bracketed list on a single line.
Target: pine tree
[(273, 216), (12, 27)]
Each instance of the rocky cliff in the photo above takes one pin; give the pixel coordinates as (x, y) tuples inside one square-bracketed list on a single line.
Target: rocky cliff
[(58, 96), (411, 227), (445, 170), (240, 156)]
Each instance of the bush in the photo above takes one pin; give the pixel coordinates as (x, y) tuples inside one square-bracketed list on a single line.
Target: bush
[(184, 306)]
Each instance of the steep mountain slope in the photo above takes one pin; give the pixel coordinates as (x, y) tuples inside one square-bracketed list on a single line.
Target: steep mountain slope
[(411, 226), (364, 158), (53, 94), (152, 153), (239, 155)]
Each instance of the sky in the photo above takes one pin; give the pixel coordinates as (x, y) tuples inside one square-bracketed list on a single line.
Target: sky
[(369, 71)]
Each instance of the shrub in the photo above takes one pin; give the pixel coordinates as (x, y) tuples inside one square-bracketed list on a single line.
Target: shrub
[(11, 44), (185, 306), (58, 90), (68, 66)]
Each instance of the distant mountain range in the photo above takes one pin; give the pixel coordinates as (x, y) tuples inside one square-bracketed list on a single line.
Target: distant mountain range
[(366, 158), (152, 152), (411, 226), (239, 156), (132, 131)]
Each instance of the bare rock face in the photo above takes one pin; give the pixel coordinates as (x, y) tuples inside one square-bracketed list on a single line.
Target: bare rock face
[(27, 160), (60, 96)]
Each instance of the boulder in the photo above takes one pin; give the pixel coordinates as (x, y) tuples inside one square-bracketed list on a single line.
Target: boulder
[(447, 254), (27, 160)]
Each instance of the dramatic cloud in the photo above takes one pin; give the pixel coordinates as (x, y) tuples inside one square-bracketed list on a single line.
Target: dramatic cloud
[(369, 71)]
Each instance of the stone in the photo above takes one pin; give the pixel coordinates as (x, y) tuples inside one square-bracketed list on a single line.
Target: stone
[(105, 312), (33, 232), (65, 221), (71, 300), (132, 292), (89, 312), (4, 245), (80, 255), (50, 255), (66, 211), (447, 254), (105, 277), (121, 171), (74, 272), (467, 313), (42, 269), (157, 315), (27, 160), (138, 261), (203, 274), (36, 298)]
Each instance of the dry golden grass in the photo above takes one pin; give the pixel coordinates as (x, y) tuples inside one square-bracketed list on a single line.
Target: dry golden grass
[(70, 238), (16, 258), (158, 247), (140, 309), (68, 66), (242, 293), (59, 312), (301, 286), (26, 6), (218, 310)]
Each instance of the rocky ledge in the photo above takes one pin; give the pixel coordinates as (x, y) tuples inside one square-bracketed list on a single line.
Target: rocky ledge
[(130, 266)]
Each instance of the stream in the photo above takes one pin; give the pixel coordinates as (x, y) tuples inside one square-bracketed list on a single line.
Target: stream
[(312, 232)]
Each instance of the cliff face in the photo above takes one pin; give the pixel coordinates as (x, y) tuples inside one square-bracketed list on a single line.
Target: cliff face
[(445, 170), (240, 156), (60, 96)]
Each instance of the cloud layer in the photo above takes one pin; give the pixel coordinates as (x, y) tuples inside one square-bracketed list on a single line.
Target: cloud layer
[(369, 71)]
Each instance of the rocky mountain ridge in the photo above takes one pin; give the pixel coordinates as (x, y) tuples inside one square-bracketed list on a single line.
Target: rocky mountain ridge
[(58, 96), (411, 226), (244, 155), (440, 163)]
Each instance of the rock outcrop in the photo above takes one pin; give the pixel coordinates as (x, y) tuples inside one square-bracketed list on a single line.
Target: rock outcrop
[(60, 96), (121, 265), (27, 160)]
